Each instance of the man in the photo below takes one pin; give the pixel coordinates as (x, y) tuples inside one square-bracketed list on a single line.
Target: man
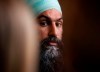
[(50, 22)]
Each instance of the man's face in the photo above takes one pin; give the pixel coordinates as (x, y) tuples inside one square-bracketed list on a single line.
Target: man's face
[(50, 23), (51, 28)]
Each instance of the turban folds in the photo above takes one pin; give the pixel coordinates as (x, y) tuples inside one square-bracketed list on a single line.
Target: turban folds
[(40, 6)]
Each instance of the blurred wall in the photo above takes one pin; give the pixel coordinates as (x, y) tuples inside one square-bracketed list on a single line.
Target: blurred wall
[(81, 35)]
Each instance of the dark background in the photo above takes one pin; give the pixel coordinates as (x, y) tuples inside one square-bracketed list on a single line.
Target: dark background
[(81, 35)]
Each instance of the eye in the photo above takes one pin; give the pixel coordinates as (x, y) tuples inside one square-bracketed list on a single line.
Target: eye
[(59, 24), (43, 23)]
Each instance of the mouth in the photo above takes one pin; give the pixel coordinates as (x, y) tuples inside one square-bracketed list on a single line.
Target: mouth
[(52, 43)]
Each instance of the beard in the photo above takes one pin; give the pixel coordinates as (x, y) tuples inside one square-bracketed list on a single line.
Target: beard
[(51, 59)]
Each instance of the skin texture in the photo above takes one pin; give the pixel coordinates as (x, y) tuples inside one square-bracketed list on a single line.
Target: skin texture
[(50, 23)]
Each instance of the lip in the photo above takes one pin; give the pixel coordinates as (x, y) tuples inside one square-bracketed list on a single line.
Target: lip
[(53, 43)]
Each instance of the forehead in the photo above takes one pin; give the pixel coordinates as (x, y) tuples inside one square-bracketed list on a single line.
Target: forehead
[(52, 14)]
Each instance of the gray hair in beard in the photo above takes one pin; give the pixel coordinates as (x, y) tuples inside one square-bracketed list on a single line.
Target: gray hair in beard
[(51, 56)]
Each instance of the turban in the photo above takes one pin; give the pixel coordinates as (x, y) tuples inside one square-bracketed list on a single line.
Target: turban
[(39, 6)]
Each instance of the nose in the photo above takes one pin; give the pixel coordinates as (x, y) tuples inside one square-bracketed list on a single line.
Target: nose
[(53, 30)]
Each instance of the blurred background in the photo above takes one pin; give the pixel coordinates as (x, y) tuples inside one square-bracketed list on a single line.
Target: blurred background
[(18, 37), (81, 35)]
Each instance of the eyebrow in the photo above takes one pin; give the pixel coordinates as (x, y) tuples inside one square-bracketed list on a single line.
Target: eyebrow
[(60, 18), (49, 18), (43, 16)]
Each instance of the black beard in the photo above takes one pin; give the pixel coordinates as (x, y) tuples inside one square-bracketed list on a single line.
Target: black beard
[(51, 56)]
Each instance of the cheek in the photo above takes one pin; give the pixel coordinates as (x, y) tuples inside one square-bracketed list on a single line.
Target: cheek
[(43, 33), (60, 32)]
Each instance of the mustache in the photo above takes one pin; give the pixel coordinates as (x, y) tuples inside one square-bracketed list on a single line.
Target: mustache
[(51, 39)]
